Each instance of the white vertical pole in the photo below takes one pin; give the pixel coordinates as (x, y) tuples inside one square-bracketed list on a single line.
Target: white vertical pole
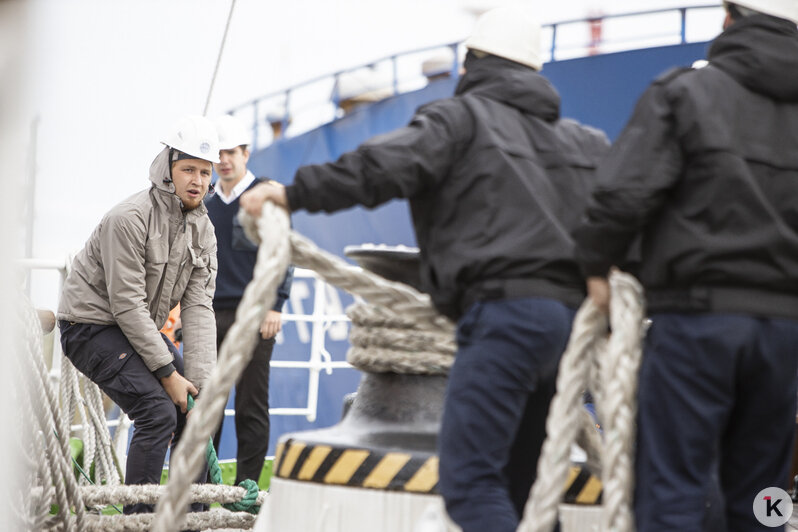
[(318, 332)]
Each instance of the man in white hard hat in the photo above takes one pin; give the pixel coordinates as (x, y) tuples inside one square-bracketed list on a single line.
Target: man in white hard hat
[(496, 181), (237, 257), (153, 250), (706, 173)]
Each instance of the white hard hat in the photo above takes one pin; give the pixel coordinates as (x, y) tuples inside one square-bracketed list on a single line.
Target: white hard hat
[(231, 132), (787, 9), (512, 32), (196, 136)]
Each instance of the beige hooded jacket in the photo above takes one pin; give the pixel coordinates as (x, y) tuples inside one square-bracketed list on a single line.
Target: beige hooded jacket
[(144, 257)]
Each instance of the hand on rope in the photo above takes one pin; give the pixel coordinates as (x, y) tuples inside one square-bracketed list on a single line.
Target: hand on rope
[(253, 199), (177, 387), (598, 289), (249, 502)]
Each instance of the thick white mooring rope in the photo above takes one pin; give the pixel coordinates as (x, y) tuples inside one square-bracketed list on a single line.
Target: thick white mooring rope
[(212, 519), (235, 353), (150, 494), (97, 447), (406, 302), (398, 330), (613, 364), (51, 432), (380, 342), (74, 404), (618, 380), (106, 470)]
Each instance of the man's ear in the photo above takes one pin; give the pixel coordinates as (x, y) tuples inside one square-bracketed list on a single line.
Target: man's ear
[(728, 21)]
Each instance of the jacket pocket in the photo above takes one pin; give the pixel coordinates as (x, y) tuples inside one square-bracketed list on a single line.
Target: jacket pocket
[(156, 257), (100, 365), (156, 251), (109, 364)]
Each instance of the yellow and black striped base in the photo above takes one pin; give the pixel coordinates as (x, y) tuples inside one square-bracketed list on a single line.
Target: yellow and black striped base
[(392, 471), (361, 468), (582, 487)]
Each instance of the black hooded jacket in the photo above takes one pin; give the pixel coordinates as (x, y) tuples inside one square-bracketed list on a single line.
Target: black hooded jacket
[(496, 182), (706, 171)]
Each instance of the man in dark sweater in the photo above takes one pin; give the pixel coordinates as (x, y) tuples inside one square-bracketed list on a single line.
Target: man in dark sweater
[(496, 181), (237, 257), (706, 174)]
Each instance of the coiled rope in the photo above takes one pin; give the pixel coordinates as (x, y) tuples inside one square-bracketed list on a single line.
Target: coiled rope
[(215, 518), (396, 329)]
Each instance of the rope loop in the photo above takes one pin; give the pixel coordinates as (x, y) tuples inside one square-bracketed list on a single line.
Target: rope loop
[(607, 365)]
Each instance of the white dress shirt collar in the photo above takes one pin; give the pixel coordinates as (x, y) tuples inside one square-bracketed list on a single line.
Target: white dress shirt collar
[(240, 187)]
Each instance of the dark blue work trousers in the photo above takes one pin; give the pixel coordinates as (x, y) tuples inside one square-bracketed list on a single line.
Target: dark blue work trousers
[(104, 355), (497, 400), (717, 403)]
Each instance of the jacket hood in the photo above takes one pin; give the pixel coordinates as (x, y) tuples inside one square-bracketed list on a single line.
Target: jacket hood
[(511, 83), (159, 170), (761, 53)]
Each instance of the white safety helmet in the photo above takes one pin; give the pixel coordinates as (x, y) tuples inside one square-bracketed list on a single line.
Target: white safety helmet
[(231, 132), (196, 136), (512, 32), (787, 9)]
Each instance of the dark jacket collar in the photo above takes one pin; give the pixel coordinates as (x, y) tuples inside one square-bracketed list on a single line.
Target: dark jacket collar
[(511, 83), (761, 53)]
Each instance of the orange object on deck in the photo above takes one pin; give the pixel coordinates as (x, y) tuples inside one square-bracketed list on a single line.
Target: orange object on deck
[(172, 325)]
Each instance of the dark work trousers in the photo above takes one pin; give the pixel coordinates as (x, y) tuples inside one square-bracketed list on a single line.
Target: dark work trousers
[(104, 355), (717, 403), (251, 404), (497, 399)]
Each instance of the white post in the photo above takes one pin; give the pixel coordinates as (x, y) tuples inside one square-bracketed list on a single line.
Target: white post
[(316, 346)]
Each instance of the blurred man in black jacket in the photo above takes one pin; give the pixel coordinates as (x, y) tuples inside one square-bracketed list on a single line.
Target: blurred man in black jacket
[(496, 182), (706, 173)]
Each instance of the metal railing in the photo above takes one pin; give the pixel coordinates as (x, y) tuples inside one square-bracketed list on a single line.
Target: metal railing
[(285, 104), (319, 358)]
